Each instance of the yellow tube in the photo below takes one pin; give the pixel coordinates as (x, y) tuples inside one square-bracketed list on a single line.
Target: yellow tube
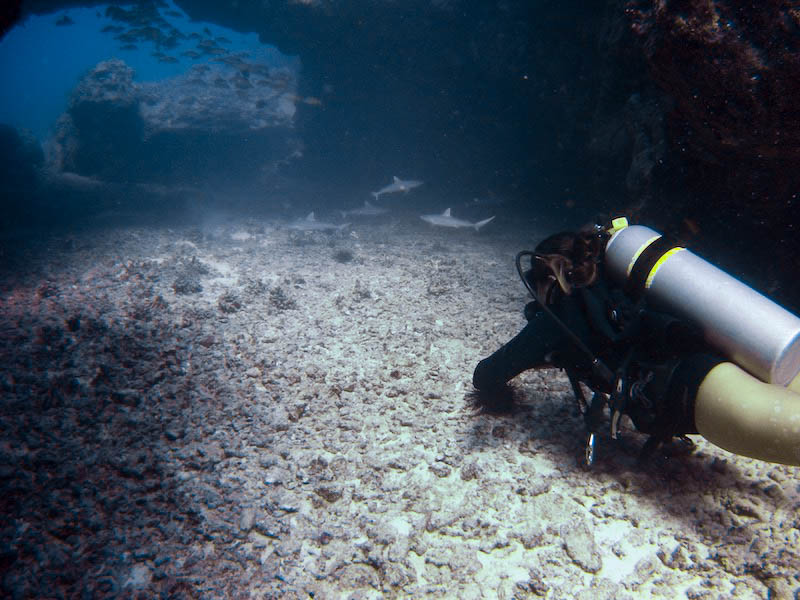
[(746, 416), (795, 384)]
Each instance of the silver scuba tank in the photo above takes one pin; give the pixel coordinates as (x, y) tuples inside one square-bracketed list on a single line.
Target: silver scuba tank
[(748, 328)]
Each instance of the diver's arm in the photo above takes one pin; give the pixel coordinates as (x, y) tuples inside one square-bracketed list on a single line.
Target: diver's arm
[(598, 318), (527, 350)]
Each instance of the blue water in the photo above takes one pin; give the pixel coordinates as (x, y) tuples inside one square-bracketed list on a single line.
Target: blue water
[(41, 62)]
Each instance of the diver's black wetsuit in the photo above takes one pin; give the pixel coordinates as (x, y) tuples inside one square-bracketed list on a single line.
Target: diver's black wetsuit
[(656, 360), (599, 316)]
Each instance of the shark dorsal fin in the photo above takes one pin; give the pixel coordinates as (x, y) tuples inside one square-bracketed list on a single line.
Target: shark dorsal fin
[(367, 204), (446, 213), (311, 217), (396, 179)]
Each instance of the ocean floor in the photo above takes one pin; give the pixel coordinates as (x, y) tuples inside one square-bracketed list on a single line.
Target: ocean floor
[(232, 409)]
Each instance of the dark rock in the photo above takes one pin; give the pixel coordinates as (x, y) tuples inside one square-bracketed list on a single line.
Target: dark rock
[(470, 471), (21, 157), (229, 302), (280, 300), (21, 160), (440, 470), (343, 255), (186, 284), (328, 493), (173, 434), (730, 71), (268, 529), (722, 61)]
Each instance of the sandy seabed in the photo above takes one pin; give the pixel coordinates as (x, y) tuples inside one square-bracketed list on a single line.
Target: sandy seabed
[(234, 410)]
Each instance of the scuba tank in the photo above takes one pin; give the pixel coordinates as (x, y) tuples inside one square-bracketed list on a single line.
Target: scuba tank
[(748, 328)]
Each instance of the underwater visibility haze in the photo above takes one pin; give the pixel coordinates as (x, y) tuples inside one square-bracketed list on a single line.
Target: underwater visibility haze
[(251, 254)]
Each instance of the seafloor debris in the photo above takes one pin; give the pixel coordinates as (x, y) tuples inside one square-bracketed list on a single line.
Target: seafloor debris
[(229, 302), (280, 300), (188, 278), (186, 284), (327, 450), (343, 255)]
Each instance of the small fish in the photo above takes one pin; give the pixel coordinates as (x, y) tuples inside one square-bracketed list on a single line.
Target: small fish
[(368, 210), (397, 185), (445, 220), (222, 40), (168, 59), (65, 20), (117, 13), (127, 37), (310, 223), (233, 61), (310, 100), (171, 42), (129, 47)]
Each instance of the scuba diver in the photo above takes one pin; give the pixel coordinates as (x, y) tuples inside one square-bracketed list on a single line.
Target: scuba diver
[(660, 335)]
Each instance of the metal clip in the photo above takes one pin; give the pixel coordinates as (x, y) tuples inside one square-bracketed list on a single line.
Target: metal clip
[(615, 423), (591, 443)]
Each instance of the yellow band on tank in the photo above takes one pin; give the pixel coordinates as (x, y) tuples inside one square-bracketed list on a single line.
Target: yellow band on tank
[(639, 252), (664, 258)]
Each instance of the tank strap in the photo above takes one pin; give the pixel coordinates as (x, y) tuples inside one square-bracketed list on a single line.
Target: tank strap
[(635, 285)]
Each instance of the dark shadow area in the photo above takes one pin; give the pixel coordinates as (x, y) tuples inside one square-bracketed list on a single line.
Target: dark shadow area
[(86, 480), (108, 465), (681, 483)]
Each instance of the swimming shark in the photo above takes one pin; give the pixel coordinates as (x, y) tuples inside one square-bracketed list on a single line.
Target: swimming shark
[(445, 220), (310, 223), (368, 210), (397, 185)]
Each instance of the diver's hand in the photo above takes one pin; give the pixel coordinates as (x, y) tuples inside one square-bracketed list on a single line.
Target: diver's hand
[(531, 310)]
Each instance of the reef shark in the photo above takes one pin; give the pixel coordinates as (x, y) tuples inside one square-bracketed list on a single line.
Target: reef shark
[(368, 210), (310, 223), (445, 220), (397, 185)]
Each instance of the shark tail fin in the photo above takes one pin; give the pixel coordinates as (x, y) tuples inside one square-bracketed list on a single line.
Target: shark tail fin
[(375, 194), (396, 179), (480, 224)]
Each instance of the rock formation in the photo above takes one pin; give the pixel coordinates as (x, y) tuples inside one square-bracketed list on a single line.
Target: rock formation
[(222, 120)]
